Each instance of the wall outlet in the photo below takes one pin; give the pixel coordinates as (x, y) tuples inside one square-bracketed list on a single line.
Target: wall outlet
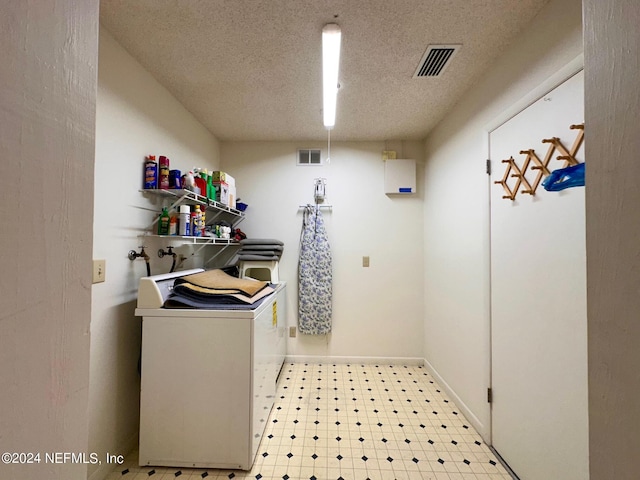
[(99, 271), (365, 261), (292, 332)]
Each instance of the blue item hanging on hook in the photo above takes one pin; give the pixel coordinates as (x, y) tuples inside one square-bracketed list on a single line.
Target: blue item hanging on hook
[(565, 178)]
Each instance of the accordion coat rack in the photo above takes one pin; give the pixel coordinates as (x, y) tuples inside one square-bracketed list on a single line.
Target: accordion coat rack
[(533, 162)]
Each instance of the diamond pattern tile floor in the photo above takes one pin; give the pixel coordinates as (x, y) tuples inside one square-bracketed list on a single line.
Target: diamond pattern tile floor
[(355, 422)]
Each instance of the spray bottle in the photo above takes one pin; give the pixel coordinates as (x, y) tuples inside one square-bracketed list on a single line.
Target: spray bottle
[(183, 222), (150, 172)]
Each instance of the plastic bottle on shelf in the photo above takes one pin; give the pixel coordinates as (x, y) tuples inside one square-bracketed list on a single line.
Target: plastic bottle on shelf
[(150, 173), (164, 173), (214, 192), (174, 179), (197, 228), (195, 231), (163, 222), (211, 191), (189, 182), (173, 223), (203, 220), (184, 221), (205, 187), (201, 183)]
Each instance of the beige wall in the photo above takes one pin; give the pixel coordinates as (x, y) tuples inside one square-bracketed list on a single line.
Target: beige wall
[(49, 60), (135, 117), (612, 106), (456, 211), (376, 310)]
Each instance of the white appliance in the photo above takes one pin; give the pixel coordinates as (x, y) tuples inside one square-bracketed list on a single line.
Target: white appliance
[(208, 378), (399, 176)]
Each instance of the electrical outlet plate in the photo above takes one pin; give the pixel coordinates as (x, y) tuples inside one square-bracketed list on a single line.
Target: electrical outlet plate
[(99, 272), (292, 332)]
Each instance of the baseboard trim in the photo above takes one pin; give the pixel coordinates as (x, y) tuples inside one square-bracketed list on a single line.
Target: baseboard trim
[(475, 422), (355, 360), (504, 464)]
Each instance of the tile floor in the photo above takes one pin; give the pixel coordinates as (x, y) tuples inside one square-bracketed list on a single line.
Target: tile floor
[(355, 422)]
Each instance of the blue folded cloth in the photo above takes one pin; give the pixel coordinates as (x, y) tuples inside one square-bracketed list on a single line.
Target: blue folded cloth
[(565, 178)]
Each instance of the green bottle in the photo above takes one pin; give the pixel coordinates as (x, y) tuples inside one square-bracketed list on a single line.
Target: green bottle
[(211, 191), (163, 222)]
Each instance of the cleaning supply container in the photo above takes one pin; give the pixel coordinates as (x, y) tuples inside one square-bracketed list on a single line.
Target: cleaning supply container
[(183, 220), (150, 173), (164, 173)]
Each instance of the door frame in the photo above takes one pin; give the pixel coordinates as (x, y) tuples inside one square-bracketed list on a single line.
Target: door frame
[(562, 75)]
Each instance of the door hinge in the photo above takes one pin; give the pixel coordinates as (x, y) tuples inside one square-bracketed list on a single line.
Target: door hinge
[(488, 167), (489, 395)]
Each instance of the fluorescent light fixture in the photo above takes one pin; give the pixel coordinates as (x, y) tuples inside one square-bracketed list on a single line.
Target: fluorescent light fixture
[(330, 65)]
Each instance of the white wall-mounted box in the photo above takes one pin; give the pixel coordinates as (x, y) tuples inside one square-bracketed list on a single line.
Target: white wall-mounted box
[(400, 176)]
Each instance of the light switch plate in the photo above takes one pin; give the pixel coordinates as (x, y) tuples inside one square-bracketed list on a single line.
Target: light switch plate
[(365, 261), (99, 271), (292, 332)]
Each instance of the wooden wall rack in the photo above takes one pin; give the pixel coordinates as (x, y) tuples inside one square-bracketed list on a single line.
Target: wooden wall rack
[(533, 162)]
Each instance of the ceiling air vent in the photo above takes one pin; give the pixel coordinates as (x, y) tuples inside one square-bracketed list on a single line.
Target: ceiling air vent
[(435, 60)]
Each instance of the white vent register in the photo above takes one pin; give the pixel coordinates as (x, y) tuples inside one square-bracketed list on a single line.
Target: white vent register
[(435, 60), (399, 176)]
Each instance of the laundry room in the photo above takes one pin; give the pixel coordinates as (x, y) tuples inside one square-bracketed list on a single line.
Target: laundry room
[(378, 310), (438, 287), (137, 117)]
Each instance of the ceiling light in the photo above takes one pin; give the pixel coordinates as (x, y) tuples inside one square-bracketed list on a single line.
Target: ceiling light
[(330, 65)]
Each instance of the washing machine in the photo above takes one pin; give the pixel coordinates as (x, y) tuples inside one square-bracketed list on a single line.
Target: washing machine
[(208, 378)]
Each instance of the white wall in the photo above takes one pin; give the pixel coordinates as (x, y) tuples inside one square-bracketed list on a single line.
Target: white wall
[(377, 310), (612, 103), (47, 106), (135, 117), (456, 212)]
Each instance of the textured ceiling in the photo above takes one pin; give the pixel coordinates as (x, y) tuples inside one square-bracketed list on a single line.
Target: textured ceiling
[(251, 69)]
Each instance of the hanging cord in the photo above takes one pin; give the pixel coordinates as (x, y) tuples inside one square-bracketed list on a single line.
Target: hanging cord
[(162, 253)]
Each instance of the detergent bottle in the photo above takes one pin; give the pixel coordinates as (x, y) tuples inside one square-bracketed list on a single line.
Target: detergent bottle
[(201, 183)]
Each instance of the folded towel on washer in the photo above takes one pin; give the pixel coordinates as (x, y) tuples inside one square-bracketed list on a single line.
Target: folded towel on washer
[(179, 301), (264, 253), (262, 246), (211, 282), (257, 258), (260, 241), (191, 296)]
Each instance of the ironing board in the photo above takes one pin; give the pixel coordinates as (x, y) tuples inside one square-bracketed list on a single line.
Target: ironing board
[(314, 275)]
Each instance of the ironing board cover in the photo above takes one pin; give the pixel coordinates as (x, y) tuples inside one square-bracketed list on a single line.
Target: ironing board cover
[(314, 275)]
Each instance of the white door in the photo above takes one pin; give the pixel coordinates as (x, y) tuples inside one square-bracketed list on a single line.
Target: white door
[(538, 300)]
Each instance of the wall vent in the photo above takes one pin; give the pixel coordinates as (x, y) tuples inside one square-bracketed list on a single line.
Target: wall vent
[(435, 60), (309, 157)]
